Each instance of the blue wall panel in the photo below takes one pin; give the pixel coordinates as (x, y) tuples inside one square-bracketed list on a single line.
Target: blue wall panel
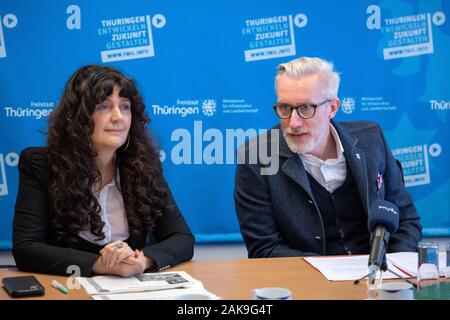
[(206, 71)]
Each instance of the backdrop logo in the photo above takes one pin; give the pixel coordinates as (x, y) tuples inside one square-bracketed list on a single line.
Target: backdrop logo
[(37, 110), (129, 37), (376, 104), (348, 105), (415, 162), (237, 106), (407, 35), (183, 108), (271, 37), (11, 160), (439, 105), (10, 22), (209, 107)]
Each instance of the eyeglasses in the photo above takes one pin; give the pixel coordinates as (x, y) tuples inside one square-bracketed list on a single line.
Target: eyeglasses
[(304, 111)]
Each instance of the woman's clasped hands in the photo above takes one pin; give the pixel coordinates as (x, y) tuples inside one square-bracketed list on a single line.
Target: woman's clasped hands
[(117, 258)]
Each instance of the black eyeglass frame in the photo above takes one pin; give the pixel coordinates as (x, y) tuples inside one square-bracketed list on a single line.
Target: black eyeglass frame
[(314, 106)]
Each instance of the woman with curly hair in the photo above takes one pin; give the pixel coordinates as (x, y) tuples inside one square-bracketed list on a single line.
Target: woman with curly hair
[(95, 197)]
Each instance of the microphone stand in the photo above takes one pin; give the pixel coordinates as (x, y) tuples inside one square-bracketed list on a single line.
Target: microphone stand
[(404, 279), (384, 268)]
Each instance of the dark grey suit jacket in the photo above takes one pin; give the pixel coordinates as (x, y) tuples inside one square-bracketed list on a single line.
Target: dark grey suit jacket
[(35, 248), (278, 215)]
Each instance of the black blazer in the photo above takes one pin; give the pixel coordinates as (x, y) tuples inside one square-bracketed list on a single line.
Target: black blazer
[(35, 248), (277, 212)]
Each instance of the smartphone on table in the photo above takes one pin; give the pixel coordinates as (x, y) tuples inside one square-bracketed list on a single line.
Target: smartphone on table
[(23, 286)]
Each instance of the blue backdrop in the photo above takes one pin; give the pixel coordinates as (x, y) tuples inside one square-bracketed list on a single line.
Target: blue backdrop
[(206, 71)]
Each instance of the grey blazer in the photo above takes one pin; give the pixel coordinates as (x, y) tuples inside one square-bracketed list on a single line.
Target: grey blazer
[(278, 214)]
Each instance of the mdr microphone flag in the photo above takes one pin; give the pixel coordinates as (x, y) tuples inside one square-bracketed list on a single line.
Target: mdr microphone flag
[(206, 71)]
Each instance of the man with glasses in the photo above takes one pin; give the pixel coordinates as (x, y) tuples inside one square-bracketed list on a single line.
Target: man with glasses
[(329, 174)]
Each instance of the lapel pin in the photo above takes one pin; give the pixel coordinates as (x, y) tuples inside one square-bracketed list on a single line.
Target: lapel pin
[(379, 181), (358, 156)]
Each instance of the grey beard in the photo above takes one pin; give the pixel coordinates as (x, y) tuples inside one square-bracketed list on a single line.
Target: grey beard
[(295, 147)]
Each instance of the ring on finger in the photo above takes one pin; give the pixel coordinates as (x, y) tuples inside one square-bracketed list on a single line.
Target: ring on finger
[(119, 245)]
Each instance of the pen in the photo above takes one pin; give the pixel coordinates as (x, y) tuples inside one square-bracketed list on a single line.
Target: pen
[(59, 286)]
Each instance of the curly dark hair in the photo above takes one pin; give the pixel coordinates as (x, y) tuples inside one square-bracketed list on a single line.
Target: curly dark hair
[(72, 161)]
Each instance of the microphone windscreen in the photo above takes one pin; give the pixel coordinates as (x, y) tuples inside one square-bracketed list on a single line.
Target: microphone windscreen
[(383, 213)]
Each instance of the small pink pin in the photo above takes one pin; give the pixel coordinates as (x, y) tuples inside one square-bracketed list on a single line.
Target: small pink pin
[(379, 181)]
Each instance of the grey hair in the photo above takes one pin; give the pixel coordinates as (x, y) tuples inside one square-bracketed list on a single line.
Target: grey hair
[(303, 66)]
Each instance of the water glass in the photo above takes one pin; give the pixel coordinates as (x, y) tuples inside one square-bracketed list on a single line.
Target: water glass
[(428, 264)]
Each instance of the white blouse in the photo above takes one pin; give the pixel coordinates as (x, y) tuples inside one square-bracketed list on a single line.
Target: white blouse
[(112, 214)]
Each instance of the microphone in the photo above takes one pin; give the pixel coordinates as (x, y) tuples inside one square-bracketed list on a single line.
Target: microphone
[(383, 221)]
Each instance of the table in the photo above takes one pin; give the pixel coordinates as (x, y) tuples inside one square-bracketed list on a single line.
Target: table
[(45, 279), (235, 280)]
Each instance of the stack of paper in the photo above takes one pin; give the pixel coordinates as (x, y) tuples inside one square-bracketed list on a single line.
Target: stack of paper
[(146, 286), (165, 294), (343, 268)]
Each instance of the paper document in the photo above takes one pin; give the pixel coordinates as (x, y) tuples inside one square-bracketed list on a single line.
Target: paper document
[(408, 261), (343, 268), (143, 282), (167, 294)]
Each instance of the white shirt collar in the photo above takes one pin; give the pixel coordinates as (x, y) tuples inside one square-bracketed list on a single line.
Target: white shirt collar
[(113, 181), (313, 160), (330, 173)]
